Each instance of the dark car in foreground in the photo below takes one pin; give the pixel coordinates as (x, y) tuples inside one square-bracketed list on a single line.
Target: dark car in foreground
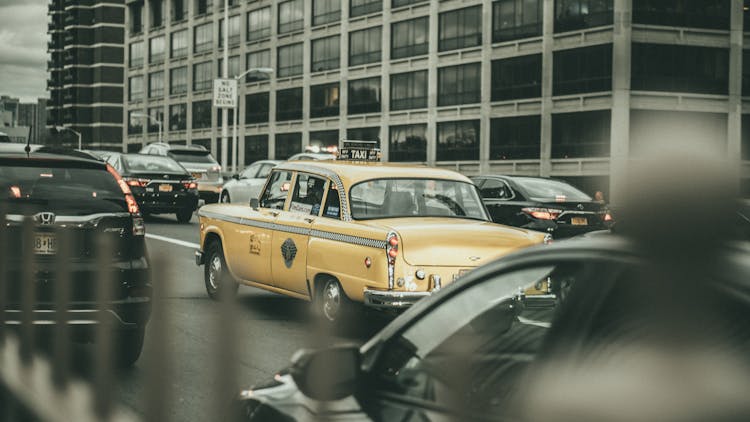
[(537, 203), (160, 184), (479, 350), (50, 200)]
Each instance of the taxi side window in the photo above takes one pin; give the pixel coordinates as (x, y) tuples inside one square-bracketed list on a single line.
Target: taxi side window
[(276, 190), (332, 207), (308, 194)]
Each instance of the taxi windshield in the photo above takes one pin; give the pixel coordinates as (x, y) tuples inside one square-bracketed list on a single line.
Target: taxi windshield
[(393, 198)]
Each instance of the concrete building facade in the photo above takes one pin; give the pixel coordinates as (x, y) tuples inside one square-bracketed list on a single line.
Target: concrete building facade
[(564, 88)]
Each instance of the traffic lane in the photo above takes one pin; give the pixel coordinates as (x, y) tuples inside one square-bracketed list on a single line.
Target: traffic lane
[(166, 225)]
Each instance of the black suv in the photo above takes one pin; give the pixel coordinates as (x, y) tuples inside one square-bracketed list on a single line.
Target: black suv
[(87, 202)]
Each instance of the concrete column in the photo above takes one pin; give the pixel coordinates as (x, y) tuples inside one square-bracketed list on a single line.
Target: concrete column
[(307, 70), (486, 88), (272, 83), (548, 28), (734, 119), (620, 126), (432, 98), (344, 72), (385, 95)]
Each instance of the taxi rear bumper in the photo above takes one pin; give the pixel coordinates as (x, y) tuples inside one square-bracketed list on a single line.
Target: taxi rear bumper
[(389, 299)]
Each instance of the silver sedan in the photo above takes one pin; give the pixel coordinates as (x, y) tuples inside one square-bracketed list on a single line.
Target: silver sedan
[(248, 183)]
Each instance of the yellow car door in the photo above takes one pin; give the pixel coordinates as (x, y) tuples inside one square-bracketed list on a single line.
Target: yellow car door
[(292, 234)]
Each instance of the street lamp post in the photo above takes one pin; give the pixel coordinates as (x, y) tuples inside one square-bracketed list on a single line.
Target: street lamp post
[(266, 70), (154, 119), (64, 128)]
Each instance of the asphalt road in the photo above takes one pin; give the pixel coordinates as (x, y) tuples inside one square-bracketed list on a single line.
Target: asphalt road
[(270, 329)]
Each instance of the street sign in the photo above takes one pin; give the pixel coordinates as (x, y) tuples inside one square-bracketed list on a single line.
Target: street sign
[(225, 93)]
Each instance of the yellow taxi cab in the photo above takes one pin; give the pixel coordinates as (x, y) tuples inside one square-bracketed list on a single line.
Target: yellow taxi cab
[(336, 232)]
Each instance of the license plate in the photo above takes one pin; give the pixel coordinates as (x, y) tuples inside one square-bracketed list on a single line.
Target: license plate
[(165, 188), (579, 221), (45, 244), (197, 175)]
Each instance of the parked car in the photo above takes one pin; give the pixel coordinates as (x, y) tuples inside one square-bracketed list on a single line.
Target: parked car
[(477, 351), (4, 138), (87, 200), (160, 184), (537, 203), (338, 233), (198, 161), (248, 183), (312, 156)]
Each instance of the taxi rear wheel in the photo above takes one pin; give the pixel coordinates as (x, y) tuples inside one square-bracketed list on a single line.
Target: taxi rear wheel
[(215, 274), (331, 302)]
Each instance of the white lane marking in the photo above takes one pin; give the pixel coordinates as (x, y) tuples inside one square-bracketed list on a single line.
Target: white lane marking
[(174, 241)]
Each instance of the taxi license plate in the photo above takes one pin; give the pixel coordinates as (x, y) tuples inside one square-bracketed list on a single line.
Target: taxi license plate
[(165, 188), (45, 244), (579, 221)]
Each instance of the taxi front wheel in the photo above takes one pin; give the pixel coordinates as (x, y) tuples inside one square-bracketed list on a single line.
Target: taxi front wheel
[(331, 302), (215, 274)]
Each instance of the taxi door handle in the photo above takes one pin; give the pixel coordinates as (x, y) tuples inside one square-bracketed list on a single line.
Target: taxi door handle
[(274, 213), (309, 219)]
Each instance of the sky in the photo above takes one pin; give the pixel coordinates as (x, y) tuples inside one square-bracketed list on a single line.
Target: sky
[(23, 49)]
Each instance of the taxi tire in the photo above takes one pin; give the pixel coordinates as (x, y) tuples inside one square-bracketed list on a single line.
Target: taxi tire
[(128, 346), (184, 215), (345, 305), (214, 250)]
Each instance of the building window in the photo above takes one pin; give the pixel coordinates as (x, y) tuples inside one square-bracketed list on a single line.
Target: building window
[(571, 15), (230, 116), (289, 104), (290, 60), (399, 3), (410, 38), (745, 72), (324, 140), (201, 114), (746, 16), (232, 70), (178, 117), (710, 14), (460, 28), (156, 84), (202, 76), (156, 49), (136, 54), (745, 146), (178, 10), (514, 19), (408, 143), (202, 7), (371, 134), (136, 18), (364, 96), (156, 115), (581, 70), (135, 123), (255, 60), (324, 100), (256, 148), (291, 16), (325, 54), (409, 90), (256, 108), (581, 135), (517, 77), (326, 11), (234, 30), (203, 38), (458, 141), (365, 46), (178, 80), (679, 68), (135, 88), (515, 138), (364, 7), (459, 84), (259, 24), (287, 144), (179, 44), (157, 13)]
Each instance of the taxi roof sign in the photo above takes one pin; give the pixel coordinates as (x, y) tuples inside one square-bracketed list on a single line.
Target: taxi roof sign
[(352, 150)]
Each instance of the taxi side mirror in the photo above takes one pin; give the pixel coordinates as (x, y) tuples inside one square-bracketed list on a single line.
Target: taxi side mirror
[(327, 374), (254, 203)]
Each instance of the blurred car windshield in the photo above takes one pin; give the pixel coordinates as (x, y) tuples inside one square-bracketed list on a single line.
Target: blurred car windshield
[(545, 190), (70, 191), (192, 156), (391, 198), (151, 163)]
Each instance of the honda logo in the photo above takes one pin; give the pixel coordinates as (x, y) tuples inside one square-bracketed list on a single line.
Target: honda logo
[(45, 218), (580, 207)]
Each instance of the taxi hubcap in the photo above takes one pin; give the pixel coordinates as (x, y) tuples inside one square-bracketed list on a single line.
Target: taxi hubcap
[(214, 272), (331, 300)]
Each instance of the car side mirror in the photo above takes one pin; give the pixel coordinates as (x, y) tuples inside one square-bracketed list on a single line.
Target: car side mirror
[(327, 374), (254, 203), (236, 176)]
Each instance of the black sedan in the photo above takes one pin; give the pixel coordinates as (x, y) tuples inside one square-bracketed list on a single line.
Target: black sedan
[(479, 350), (160, 184), (542, 204)]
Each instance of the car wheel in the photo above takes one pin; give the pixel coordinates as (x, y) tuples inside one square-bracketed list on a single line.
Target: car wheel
[(184, 215), (215, 274), (224, 198), (331, 303), (129, 344)]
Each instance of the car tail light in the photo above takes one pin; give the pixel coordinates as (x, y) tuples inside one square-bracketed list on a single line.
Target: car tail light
[(15, 191), (607, 217), (139, 228), (189, 184), (140, 183), (391, 251), (543, 213), (215, 168)]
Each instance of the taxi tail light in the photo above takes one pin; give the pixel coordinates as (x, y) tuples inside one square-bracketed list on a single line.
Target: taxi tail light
[(139, 228), (189, 184), (391, 251), (543, 213), (135, 182)]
